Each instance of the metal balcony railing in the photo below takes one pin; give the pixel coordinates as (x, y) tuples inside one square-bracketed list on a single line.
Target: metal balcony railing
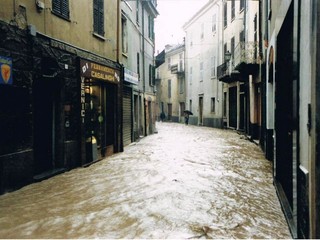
[(222, 70), (177, 69), (245, 52)]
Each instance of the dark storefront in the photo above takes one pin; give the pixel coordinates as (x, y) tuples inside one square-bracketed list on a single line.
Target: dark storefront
[(131, 79), (52, 117), (99, 118), (233, 107)]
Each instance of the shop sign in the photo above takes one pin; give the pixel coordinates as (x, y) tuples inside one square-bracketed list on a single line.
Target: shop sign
[(130, 76), (97, 71), (83, 99), (6, 70)]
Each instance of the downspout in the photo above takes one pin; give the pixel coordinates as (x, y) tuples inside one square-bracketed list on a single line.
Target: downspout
[(143, 72), (316, 135), (14, 8), (262, 81), (120, 86), (118, 30), (143, 53), (220, 58)]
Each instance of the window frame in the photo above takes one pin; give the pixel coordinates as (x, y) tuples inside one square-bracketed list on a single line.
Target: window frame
[(61, 9), (233, 10), (213, 104), (225, 17), (214, 23), (98, 17), (124, 34)]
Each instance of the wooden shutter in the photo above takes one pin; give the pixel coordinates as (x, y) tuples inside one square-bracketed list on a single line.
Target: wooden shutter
[(98, 17), (65, 8), (61, 7)]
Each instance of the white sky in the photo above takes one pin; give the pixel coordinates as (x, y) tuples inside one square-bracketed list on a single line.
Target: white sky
[(173, 14)]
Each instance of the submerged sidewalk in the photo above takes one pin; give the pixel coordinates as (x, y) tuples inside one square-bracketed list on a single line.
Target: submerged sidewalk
[(184, 182)]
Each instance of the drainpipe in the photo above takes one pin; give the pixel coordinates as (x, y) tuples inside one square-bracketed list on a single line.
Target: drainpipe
[(14, 8), (218, 57), (143, 72), (143, 49), (221, 14), (118, 30)]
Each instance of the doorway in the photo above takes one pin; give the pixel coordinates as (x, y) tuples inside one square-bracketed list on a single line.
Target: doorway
[(286, 106), (233, 103), (46, 124), (150, 115), (169, 111), (100, 130), (201, 110)]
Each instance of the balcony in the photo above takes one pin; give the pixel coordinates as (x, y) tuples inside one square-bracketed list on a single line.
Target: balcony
[(244, 61), (246, 57), (151, 6), (223, 71), (177, 69), (226, 74)]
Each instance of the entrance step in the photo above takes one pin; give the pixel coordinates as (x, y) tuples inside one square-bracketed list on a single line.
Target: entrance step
[(48, 174)]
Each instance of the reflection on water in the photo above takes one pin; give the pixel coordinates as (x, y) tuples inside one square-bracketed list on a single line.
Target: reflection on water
[(184, 182)]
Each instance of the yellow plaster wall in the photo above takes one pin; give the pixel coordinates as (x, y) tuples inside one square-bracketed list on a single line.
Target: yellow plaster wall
[(77, 30)]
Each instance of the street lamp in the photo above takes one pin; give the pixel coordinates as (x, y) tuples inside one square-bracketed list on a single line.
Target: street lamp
[(227, 56)]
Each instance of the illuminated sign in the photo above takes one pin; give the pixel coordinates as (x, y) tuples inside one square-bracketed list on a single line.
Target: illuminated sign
[(97, 71), (6, 70)]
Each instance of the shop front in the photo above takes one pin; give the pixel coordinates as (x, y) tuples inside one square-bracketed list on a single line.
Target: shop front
[(131, 79), (100, 111)]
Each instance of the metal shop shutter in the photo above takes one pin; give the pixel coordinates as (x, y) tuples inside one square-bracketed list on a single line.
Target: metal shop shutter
[(127, 115)]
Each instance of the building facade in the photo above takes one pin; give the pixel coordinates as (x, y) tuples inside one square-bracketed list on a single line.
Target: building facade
[(139, 101), (268, 65), (170, 82), (291, 30), (61, 87), (203, 52), (240, 69)]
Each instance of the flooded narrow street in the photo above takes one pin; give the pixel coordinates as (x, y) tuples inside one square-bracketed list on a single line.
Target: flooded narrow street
[(184, 182)]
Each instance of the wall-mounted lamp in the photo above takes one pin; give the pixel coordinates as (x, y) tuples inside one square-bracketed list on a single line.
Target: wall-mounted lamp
[(39, 5), (227, 56)]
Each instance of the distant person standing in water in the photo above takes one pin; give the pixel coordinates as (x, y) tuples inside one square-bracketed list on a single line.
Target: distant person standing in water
[(162, 116), (186, 118)]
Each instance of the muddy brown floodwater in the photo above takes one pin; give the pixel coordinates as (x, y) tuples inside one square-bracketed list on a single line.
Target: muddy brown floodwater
[(184, 182)]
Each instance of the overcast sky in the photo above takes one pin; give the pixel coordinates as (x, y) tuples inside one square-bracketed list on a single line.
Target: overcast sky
[(173, 14)]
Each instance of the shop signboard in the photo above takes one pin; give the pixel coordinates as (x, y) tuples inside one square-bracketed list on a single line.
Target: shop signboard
[(130, 76), (6, 70), (96, 71)]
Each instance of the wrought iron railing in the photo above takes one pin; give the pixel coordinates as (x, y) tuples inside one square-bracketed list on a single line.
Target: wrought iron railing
[(246, 52), (222, 70)]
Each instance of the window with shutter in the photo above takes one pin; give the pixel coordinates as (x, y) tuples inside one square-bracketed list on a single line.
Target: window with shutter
[(61, 8), (152, 72), (98, 17)]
